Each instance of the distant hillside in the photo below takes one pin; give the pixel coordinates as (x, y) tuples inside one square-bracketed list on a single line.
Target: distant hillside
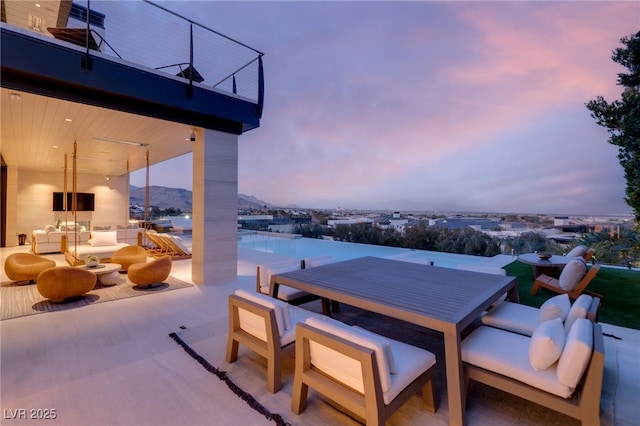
[(163, 198)]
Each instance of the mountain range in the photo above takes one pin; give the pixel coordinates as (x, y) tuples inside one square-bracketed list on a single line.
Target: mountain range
[(163, 197)]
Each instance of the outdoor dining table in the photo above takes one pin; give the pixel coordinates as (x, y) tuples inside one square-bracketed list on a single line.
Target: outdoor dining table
[(550, 267), (442, 299)]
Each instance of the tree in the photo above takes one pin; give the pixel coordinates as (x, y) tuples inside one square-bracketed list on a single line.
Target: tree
[(622, 118)]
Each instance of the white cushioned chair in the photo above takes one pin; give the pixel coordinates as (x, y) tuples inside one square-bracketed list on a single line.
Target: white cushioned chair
[(266, 326), (573, 280), (312, 262), (523, 319), (369, 375), (288, 294), (571, 385)]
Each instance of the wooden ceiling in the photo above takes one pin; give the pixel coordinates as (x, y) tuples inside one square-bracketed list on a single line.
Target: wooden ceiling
[(38, 131)]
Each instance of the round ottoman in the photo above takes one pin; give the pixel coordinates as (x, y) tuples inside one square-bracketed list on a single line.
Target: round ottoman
[(127, 256), (26, 266), (63, 282), (150, 273)]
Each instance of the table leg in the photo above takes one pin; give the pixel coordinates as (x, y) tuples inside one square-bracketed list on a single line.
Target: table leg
[(513, 295), (455, 377)]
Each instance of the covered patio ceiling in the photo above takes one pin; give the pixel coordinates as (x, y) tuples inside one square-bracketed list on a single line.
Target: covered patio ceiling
[(37, 132)]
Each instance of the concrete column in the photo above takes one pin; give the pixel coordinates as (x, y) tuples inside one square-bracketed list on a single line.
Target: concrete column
[(215, 207), (12, 209)]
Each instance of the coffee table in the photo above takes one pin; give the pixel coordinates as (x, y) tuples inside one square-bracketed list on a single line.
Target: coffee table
[(107, 273)]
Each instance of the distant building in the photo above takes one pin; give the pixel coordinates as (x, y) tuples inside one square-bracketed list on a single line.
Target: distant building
[(332, 223), (479, 224)]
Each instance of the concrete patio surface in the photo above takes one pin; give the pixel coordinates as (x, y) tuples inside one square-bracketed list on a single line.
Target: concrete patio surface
[(113, 363)]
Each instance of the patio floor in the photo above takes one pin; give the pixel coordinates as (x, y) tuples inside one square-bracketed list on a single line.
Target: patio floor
[(114, 364)]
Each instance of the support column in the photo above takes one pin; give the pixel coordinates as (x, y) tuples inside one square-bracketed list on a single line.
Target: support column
[(215, 207)]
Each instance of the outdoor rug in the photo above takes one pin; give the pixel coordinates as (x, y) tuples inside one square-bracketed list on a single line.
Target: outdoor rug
[(246, 378), (19, 299)]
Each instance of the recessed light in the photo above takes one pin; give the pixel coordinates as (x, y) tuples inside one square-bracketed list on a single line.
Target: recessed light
[(55, 146), (140, 144), (15, 96), (68, 119), (37, 4)]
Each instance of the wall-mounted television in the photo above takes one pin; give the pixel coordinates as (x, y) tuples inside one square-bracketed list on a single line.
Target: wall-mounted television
[(85, 202)]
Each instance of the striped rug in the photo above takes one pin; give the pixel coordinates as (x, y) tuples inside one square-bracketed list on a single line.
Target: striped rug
[(18, 299)]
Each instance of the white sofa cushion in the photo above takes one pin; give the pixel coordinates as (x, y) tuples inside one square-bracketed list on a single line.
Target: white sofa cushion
[(386, 345), (296, 314), (514, 317), (340, 366), (547, 342), (103, 238), (180, 243), (255, 324), (507, 353), (579, 309), (413, 361), (555, 307), (572, 273), (577, 251), (576, 354)]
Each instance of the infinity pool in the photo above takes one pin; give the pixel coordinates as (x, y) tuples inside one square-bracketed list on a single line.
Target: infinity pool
[(297, 247)]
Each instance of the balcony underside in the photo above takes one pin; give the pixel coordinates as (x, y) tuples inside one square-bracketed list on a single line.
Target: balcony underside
[(68, 73)]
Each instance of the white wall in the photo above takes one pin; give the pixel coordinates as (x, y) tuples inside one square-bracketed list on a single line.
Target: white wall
[(34, 201), (215, 207)]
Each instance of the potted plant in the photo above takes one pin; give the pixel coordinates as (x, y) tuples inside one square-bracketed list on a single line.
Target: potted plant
[(91, 261)]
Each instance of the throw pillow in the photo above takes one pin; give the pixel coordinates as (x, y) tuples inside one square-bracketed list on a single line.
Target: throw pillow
[(576, 354), (577, 251), (546, 344), (579, 309), (104, 238), (555, 307), (572, 274), (49, 228)]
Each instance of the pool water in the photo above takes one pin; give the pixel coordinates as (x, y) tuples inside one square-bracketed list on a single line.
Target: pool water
[(309, 247)]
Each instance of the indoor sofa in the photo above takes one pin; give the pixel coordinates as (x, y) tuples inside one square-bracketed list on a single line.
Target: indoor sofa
[(53, 240)]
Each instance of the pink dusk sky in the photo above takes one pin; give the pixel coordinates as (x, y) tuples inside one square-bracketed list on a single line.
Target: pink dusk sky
[(437, 106)]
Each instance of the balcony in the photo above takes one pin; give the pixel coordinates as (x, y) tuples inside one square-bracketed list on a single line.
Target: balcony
[(137, 57)]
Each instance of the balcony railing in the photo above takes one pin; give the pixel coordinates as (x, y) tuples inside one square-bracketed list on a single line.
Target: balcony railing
[(149, 35)]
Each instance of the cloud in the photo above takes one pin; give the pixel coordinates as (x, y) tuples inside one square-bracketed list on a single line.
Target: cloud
[(436, 105)]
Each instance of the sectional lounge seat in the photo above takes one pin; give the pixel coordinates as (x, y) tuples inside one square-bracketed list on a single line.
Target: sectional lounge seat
[(526, 366), (52, 240), (102, 244), (523, 319)]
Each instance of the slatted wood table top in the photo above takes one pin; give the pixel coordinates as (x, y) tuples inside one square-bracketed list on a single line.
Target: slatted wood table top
[(441, 299)]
